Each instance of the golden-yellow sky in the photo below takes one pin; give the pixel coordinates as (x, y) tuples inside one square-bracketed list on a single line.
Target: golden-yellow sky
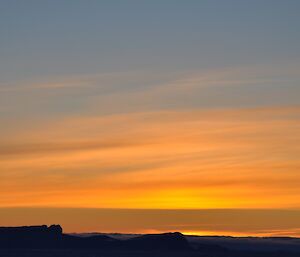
[(243, 158)]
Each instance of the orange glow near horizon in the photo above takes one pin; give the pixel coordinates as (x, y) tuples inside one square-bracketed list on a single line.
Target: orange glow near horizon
[(227, 222), (275, 233)]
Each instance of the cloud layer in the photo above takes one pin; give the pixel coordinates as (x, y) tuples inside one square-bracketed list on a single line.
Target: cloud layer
[(243, 158)]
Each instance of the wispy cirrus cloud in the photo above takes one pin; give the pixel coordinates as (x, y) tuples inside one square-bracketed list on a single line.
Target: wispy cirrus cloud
[(166, 159), (145, 91)]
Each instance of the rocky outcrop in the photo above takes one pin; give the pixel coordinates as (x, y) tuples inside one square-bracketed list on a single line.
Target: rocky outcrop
[(30, 236)]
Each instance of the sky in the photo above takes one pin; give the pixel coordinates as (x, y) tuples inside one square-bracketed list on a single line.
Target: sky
[(151, 116)]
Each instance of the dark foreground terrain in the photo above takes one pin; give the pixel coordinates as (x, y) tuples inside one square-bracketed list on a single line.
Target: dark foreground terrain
[(43, 241)]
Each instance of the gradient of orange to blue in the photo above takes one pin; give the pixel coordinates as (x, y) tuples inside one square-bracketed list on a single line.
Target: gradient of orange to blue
[(151, 116)]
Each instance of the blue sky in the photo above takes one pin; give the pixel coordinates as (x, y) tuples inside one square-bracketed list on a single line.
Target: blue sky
[(52, 38), (157, 42)]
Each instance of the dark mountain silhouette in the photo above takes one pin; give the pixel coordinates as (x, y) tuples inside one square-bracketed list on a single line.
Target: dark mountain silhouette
[(165, 242), (38, 237), (93, 242), (42, 241)]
